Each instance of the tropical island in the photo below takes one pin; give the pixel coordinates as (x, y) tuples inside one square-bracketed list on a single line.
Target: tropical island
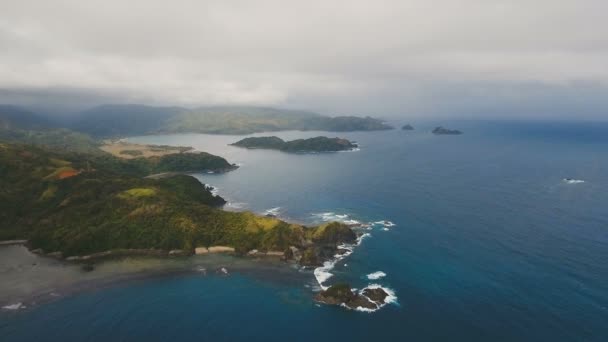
[(444, 131), (317, 144)]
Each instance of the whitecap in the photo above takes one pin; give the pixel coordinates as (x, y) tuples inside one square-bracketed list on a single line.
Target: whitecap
[(15, 306), (573, 181), (376, 275), (385, 223), (322, 273), (331, 216), (236, 205), (272, 212), (213, 189)]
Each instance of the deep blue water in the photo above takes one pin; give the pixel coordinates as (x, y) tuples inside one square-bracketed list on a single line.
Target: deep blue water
[(490, 244)]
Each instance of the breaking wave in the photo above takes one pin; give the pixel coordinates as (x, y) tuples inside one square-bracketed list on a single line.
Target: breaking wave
[(273, 212), (376, 275), (573, 181)]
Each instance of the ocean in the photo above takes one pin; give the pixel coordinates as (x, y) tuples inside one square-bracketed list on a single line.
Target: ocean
[(480, 237)]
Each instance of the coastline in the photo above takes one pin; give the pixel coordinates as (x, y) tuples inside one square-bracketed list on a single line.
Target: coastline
[(30, 280)]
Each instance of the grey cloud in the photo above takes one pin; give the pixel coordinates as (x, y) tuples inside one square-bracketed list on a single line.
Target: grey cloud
[(386, 58)]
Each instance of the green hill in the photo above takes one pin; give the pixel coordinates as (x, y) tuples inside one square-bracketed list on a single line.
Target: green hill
[(123, 120), (80, 204), (21, 126)]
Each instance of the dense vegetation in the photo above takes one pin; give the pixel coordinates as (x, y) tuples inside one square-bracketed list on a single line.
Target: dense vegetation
[(317, 144), (121, 120), (80, 204)]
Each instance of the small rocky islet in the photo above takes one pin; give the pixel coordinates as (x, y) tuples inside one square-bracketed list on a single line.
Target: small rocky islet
[(439, 130), (342, 294)]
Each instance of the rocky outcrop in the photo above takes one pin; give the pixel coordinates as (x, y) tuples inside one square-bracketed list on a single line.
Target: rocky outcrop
[(407, 127), (444, 131), (342, 294)]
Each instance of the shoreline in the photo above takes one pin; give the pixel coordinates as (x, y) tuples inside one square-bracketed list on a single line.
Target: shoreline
[(33, 280)]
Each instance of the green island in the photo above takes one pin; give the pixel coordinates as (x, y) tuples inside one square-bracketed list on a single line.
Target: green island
[(317, 144)]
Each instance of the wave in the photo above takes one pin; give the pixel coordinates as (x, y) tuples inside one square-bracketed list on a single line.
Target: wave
[(273, 212), (376, 275), (15, 306), (356, 149), (331, 216), (573, 181), (213, 189), (236, 205), (385, 223), (322, 274)]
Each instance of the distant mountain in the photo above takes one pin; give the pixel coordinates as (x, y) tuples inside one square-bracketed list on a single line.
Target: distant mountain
[(121, 120), (13, 117), (18, 125)]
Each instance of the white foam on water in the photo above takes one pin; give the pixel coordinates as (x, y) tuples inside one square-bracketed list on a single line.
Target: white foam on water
[(331, 216), (15, 306), (214, 190), (573, 181), (356, 149), (385, 223), (376, 275), (273, 211), (236, 205), (322, 273)]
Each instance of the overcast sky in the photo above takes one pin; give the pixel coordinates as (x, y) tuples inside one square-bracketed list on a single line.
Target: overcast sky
[(465, 58)]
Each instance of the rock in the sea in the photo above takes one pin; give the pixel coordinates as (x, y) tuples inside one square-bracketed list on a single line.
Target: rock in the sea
[(444, 131), (407, 127), (339, 294), (377, 295)]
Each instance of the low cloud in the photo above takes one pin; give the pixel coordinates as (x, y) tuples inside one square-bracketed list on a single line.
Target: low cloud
[(387, 58)]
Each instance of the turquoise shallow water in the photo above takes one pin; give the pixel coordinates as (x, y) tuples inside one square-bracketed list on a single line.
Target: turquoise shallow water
[(490, 243)]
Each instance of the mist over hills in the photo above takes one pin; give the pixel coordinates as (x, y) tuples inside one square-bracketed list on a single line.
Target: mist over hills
[(116, 120)]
